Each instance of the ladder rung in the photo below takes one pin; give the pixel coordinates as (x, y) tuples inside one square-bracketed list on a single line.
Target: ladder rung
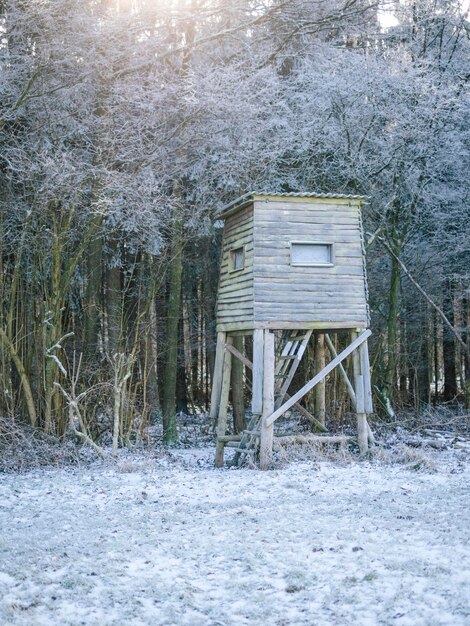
[(240, 450)]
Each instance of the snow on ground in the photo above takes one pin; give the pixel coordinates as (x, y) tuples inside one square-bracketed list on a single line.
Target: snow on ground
[(172, 541)]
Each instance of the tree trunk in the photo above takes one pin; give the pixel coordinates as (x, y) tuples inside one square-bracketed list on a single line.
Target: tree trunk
[(170, 434), (113, 305), (93, 300), (406, 372), (188, 357), (392, 326), (448, 344), (153, 397), (436, 357), (22, 376), (182, 392), (466, 338), (423, 366)]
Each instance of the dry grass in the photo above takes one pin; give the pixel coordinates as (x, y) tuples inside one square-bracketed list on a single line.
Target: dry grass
[(316, 452), (399, 454), (415, 459), (443, 417), (24, 448)]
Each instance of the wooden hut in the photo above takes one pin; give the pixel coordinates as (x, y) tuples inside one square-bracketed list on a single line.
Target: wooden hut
[(292, 265)]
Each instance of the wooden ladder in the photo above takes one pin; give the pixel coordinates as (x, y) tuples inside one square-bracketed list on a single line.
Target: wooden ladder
[(291, 350), (249, 442)]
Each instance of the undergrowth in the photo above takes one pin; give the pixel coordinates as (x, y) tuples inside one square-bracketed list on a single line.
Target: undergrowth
[(23, 448), (403, 442)]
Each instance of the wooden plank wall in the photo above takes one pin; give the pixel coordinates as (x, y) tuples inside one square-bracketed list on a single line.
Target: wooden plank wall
[(235, 295), (300, 294)]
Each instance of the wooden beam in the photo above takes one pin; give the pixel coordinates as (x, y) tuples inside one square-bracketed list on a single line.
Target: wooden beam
[(217, 378), (227, 438), (329, 325), (365, 370), (302, 439), (303, 411), (237, 354), (361, 415), (343, 373), (368, 405), (319, 377), (222, 419), (258, 351), (267, 430)]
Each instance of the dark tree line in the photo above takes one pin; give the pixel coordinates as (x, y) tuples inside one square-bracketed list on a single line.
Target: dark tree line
[(124, 125)]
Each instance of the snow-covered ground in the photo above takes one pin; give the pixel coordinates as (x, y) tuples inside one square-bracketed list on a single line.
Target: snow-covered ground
[(171, 541)]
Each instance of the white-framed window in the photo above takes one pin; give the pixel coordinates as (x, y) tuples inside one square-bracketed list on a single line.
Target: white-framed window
[(311, 253), (237, 259)]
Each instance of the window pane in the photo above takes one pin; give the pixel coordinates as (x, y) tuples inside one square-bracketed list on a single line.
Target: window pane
[(311, 253), (238, 258)]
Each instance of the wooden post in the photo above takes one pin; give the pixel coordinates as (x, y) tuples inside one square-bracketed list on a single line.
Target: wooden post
[(320, 400), (267, 432), (365, 370), (217, 378), (362, 430), (258, 352), (368, 406), (238, 400), (222, 419)]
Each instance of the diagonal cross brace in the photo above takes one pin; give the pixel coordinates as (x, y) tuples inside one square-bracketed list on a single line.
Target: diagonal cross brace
[(318, 378), (298, 406), (347, 382)]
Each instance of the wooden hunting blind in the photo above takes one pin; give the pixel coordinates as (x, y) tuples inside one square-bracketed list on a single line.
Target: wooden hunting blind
[(292, 265)]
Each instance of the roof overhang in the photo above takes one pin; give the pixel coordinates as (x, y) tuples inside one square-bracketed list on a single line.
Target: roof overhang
[(251, 196)]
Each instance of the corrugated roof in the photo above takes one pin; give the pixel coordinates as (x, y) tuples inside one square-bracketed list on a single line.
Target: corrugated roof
[(247, 197)]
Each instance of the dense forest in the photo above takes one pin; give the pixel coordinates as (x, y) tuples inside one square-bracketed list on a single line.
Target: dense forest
[(125, 125)]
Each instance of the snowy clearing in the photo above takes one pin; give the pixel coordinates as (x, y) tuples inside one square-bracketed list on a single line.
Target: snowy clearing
[(173, 541)]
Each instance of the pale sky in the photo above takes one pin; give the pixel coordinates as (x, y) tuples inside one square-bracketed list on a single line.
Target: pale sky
[(387, 19)]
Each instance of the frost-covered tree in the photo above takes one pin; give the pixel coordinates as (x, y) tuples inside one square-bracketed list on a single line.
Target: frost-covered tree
[(126, 123)]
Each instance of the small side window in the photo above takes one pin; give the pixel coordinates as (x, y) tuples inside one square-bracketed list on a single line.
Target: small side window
[(305, 253), (237, 259)]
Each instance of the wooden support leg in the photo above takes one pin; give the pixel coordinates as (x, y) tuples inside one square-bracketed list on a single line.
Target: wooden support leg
[(365, 370), (267, 432), (362, 430), (320, 389), (222, 418), (258, 360), (217, 378)]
